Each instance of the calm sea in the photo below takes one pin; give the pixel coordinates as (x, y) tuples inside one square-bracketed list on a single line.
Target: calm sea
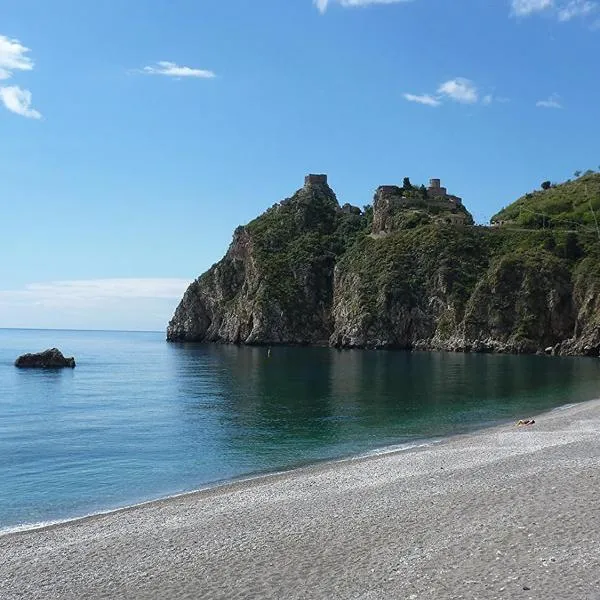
[(139, 419)]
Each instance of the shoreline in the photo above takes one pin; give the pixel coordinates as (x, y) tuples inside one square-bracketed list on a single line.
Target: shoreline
[(477, 515), (246, 478), (225, 484), (566, 348), (250, 478)]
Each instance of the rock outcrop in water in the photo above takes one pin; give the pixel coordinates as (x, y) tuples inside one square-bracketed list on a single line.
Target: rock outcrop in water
[(48, 359), (409, 272)]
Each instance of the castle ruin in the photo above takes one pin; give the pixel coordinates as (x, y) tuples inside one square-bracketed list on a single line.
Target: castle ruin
[(392, 200), (315, 180), (435, 190)]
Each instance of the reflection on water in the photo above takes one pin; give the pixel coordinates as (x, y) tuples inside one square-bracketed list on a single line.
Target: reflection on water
[(307, 403), (139, 418)]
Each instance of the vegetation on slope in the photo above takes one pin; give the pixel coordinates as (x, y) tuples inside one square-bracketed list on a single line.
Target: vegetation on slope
[(392, 275), (573, 205), (296, 244)]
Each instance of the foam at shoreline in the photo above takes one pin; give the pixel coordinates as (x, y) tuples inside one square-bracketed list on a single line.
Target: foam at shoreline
[(377, 452), (25, 527), (504, 512)]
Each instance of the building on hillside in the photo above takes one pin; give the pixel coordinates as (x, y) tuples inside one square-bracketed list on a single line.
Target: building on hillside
[(435, 190), (313, 179)]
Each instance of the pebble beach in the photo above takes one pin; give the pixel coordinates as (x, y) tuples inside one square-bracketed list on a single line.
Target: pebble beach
[(506, 512)]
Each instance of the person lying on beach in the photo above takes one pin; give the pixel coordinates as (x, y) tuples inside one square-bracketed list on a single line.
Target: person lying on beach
[(525, 422)]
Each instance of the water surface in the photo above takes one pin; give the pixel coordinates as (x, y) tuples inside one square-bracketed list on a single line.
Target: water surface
[(139, 418)]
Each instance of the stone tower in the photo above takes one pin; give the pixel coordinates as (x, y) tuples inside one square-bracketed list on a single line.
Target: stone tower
[(435, 188), (315, 180)]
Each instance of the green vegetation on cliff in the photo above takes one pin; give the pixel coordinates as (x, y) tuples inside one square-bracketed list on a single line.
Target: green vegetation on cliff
[(399, 266), (296, 244), (564, 206), (407, 272)]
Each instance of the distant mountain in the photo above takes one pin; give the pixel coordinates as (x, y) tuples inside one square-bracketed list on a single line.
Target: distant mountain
[(411, 271)]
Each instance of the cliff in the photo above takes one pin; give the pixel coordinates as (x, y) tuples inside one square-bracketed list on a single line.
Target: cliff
[(408, 272), (275, 284)]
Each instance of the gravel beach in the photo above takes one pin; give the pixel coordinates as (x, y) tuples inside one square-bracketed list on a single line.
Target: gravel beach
[(508, 512)]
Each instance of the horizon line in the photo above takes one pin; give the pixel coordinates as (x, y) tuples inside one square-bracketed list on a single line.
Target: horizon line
[(83, 330)]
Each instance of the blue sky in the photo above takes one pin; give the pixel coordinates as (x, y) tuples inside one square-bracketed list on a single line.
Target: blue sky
[(135, 136)]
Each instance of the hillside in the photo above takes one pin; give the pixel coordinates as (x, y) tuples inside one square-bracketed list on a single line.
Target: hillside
[(411, 271), (563, 206)]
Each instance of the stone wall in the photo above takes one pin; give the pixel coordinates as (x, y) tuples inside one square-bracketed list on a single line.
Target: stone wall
[(315, 180), (434, 192), (392, 190)]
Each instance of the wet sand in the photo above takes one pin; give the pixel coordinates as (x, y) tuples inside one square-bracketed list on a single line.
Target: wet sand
[(509, 512)]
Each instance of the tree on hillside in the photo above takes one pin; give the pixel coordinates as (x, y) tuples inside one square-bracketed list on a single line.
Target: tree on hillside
[(406, 184), (423, 191), (572, 249), (546, 185), (577, 173)]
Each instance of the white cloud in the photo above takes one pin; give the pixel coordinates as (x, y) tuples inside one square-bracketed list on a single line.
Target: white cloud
[(552, 102), (13, 57), (563, 10), (491, 99), (93, 304), (576, 8), (170, 69), (18, 101), (460, 90), (78, 292), (426, 99), (323, 4), (524, 8)]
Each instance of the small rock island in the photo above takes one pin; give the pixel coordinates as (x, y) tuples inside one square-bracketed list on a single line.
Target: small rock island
[(48, 359)]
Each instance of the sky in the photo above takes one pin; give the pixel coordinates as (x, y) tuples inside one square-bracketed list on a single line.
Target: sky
[(135, 136)]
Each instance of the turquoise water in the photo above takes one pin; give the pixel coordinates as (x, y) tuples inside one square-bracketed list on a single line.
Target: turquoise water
[(139, 418)]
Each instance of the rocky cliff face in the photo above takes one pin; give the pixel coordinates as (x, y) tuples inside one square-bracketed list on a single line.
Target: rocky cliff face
[(398, 275), (275, 284)]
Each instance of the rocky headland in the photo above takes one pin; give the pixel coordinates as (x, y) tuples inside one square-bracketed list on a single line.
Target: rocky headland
[(410, 271)]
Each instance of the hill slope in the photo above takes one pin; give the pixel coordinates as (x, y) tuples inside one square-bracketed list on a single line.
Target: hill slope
[(564, 206), (400, 274)]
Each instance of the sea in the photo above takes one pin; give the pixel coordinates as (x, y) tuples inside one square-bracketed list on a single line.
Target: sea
[(140, 419)]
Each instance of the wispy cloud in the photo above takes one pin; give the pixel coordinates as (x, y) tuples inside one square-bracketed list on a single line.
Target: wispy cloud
[(460, 90), (524, 8), (491, 99), (83, 292), (426, 99), (564, 10), (551, 102), (576, 8), (18, 101), (171, 69), (13, 57), (322, 5), (93, 304)]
